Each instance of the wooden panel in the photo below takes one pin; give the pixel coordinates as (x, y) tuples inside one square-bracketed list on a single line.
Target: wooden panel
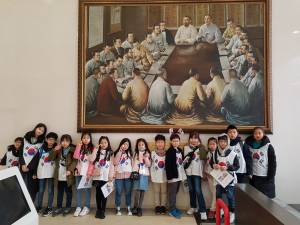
[(217, 11), (154, 15), (187, 10), (262, 15), (171, 15), (253, 14), (115, 18), (201, 11), (235, 11)]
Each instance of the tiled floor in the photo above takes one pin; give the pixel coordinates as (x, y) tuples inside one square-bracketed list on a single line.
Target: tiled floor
[(148, 218)]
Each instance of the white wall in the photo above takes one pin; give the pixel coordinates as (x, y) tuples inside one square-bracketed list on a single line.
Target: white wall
[(38, 71)]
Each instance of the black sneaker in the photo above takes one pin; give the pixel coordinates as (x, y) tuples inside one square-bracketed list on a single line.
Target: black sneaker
[(67, 211), (139, 212), (134, 211), (57, 212), (157, 210), (102, 215), (98, 214), (163, 210), (47, 212), (38, 209)]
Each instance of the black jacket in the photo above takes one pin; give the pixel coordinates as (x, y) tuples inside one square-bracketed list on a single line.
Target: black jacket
[(170, 163), (169, 37), (14, 151), (116, 53), (272, 164)]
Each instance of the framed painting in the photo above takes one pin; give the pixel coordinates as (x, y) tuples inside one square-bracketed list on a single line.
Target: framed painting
[(146, 66)]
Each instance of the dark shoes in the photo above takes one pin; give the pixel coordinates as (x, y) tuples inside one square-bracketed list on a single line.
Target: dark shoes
[(137, 212), (100, 214), (47, 212), (160, 210)]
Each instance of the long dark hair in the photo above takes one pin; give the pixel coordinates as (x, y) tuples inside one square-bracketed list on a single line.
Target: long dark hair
[(136, 151), (195, 134), (89, 148), (108, 152), (68, 138), (30, 134), (128, 151)]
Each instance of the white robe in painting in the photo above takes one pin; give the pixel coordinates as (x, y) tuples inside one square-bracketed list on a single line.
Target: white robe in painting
[(160, 102), (186, 34), (256, 94), (210, 33)]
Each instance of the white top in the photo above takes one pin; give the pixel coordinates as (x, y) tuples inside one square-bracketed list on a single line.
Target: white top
[(239, 152), (196, 166), (229, 159), (124, 164), (187, 34), (104, 166), (210, 33), (260, 160), (46, 167), (30, 150), (157, 170), (11, 160)]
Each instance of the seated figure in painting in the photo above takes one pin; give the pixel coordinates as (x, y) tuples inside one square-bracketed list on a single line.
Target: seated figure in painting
[(91, 89), (106, 54), (237, 62), (246, 65), (135, 97), (229, 32), (128, 43), (92, 64), (151, 46), (129, 62), (209, 32), (118, 50), (235, 38), (168, 38), (235, 101), (142, 56), (160, 101), (108, 97), (119, 66), (247, 78), (190, 102), (214, 90), (158, 38), (186, 33)]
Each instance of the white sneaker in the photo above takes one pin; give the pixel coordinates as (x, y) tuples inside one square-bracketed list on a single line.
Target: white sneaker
[(203, 216), (232, 217), (191, 211), (129, 211), (85, 211), (118, 211), (77, 211)]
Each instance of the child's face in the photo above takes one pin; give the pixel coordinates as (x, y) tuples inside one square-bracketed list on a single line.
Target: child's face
[(141, 146), (212, 146), (65, 143), (39, 131), (125, 146), (18, 144), (223, 144), (175, 142), (194, 141), (103, 144), (258, 134), (160, 145), (86, 139), (233, 133), (50, 141)]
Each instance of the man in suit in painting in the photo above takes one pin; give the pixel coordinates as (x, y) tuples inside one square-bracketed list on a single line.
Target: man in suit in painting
[(128, 43), (186, 33), (117, 49), (209, 32), (92, 64), (166, 33), (135, 97), (106, 54)]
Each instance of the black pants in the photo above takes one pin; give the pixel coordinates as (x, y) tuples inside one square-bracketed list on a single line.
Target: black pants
[(31, 184), (173, 189), (100, 199), (62, 187), (264, 185)]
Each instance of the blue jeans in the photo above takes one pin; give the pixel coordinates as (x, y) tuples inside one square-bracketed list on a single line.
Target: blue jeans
[(229, 191), (127, 185), (196, 194), (62, 187), (42, 187), (79, 194)]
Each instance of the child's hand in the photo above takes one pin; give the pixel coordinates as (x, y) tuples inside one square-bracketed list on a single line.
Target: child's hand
[(216, 166), (34, 177), (223, 168), (147, 155), (68, 173), (80, 144), (24, 168), (57, 147)]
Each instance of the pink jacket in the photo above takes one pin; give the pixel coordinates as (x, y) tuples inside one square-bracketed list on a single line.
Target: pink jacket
[(141, 158), (116, 161), (93, 171), (77, 156)]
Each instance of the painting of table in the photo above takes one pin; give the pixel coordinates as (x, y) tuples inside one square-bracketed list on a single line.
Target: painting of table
[(145, 77)]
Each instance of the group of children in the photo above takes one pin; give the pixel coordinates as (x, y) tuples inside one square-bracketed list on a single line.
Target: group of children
[(41, 160)]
